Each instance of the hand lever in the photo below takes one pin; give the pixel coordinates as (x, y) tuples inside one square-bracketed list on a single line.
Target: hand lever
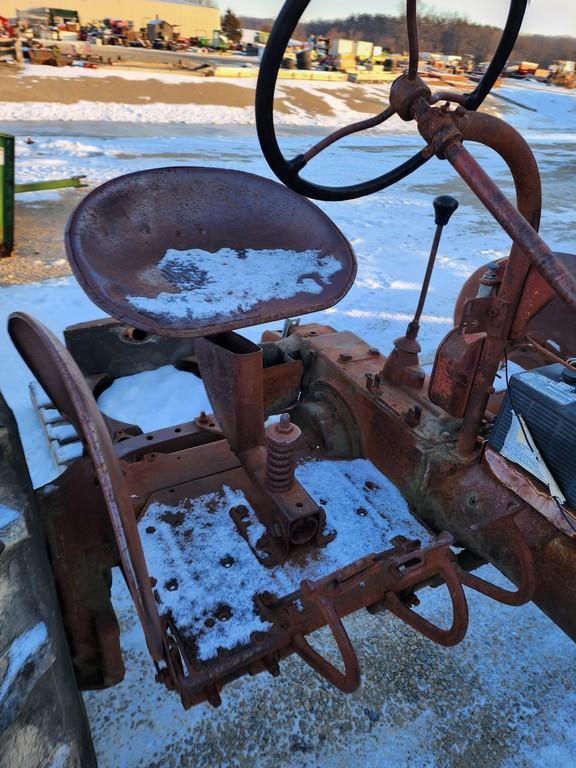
[(402, 365), (444, 207)]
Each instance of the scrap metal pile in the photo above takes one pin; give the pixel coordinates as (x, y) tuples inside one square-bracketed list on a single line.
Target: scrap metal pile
[(217, 503)]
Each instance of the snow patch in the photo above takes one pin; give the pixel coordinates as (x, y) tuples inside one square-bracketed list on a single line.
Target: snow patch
[(404, 285), (67, 453), (21, 651), (155, 399), (401, 316), (231, 282), (7, 516), (111, 112)]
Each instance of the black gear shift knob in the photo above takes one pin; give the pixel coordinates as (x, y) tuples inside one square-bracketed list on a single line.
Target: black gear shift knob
[(444, 207)]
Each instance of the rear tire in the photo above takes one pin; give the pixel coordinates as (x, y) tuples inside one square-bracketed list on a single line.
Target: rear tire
[(43, 722)]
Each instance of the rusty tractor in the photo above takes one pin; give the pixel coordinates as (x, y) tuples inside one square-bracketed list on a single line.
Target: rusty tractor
[(219, 499)]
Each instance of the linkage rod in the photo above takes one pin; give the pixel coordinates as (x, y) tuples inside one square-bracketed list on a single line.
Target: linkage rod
[(362, 125)]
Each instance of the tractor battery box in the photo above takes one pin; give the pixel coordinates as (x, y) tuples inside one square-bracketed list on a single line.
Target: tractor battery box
[(546, 399)]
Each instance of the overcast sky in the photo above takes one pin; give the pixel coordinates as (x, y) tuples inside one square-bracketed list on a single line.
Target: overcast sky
[(548, 17)]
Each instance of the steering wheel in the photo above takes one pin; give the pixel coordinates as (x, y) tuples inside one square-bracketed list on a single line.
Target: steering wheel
[(288, 171)]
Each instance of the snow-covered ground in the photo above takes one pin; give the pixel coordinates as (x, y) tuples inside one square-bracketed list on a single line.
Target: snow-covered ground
[(504, 697)]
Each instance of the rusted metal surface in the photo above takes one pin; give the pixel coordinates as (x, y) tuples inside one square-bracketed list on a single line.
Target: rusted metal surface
[(282, 386), (402, 365), (115, 349), (404, 568), (455, 366), (149, 472), (445, 490), (281, 439), (121, 231), (506, 527), (291, 516), (501, 312), (105, 350), (64, 383), (493, 315), (185, 463), (540, 314), (194, 460), (293, 617), (231, 368), (514, 150), (543, 314), (530, 490)]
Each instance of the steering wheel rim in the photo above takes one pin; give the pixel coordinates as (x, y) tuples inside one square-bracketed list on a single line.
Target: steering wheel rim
[(288, 171)]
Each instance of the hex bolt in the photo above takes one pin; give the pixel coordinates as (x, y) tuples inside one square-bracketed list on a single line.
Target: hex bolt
[(488, 281), (284, 425)]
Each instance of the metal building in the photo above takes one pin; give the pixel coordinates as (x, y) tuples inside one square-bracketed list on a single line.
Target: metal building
[(192, 18)]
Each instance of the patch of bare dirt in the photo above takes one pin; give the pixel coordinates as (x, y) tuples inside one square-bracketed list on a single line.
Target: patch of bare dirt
[(39, 234), (118, 90)]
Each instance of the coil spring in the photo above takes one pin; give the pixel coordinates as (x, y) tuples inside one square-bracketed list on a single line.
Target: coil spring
[(280, 464)]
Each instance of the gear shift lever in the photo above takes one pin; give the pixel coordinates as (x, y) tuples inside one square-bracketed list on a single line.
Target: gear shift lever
[(402, 365)]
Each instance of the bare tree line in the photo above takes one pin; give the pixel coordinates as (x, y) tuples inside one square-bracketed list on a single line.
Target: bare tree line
[(448, 33)]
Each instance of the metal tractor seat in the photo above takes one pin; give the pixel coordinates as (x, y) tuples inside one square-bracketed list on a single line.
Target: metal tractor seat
[(197, 251)]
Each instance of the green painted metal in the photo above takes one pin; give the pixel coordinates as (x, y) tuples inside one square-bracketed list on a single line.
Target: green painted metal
[(35, 186), (6, 194), (8, 189)]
